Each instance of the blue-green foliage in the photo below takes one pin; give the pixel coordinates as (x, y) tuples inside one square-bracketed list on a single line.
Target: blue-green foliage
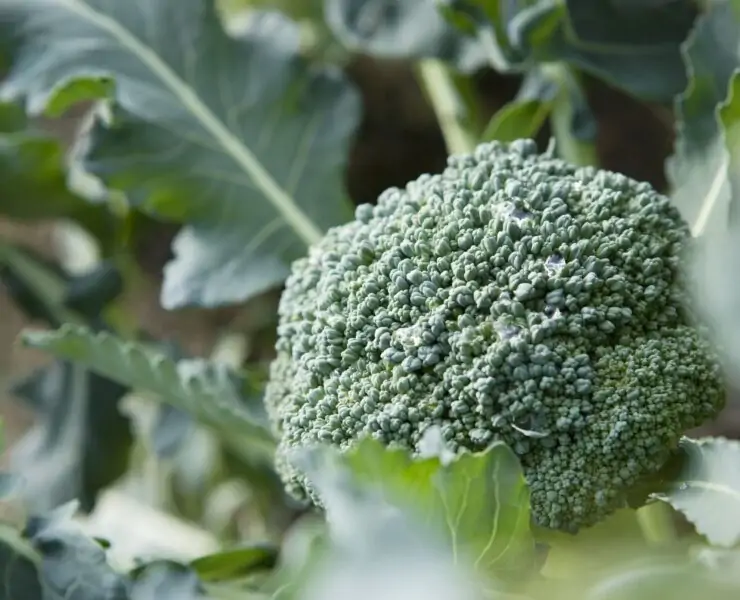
[(515, 297)]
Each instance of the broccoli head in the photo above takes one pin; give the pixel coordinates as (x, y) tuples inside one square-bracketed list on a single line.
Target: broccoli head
[(512, 297)]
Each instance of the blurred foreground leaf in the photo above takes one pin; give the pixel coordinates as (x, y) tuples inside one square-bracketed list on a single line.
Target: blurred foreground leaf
[(377, 547), (478, 502), (707, 492), (668, 577), (211, 392), (239, 138)]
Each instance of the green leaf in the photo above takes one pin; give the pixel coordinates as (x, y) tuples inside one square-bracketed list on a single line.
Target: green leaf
[(412, 29), (72, 565), (698, 168), (165, 580), (37, 285), (34, 176), (707, 491), (236, 563), (729, 117), (209, 391), (516, 120), (574, 126), (44, 291), (81, 441), (616, 43), (375, 548), (19, 576), (479, 502), (239, 137), (650, 578), (615, 538), (633, 46)]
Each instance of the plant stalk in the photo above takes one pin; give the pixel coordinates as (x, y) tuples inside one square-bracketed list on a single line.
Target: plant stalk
[(656, 523), (448, 105)]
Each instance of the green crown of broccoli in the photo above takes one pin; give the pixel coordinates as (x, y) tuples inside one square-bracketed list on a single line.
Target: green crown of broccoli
[(514, 297)]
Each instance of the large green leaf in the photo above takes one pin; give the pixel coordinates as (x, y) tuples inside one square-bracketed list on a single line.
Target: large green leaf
[(479, 502), (618, 43), (238, 137), (412, 29), (379, 545), (209, 391), (707, 492), (698, 167), (34, 176)]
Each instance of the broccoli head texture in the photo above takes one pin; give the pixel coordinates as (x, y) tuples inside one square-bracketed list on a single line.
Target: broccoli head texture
[(512, 297)]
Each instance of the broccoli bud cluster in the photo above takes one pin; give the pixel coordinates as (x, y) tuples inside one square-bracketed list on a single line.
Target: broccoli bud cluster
[(512, 297)]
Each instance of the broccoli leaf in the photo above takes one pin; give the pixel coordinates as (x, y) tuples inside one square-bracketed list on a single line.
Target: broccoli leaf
[(236, 563), (621, 41), (523, 117), (698, 168), (413, 29), (646, 578), (729, 116), (616, 538), (209, 391), (53, 560), (378, 546), (238, 137), (707, 491), (166, 580), (614, 42), (480, 501), (72, 565), (518, 119), (19, 577), (81, 441), (33, 172)]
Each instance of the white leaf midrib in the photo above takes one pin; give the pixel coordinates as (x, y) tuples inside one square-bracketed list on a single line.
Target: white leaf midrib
[(306, 229)]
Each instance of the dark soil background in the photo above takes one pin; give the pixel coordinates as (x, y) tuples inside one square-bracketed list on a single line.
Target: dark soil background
[(398, 140)]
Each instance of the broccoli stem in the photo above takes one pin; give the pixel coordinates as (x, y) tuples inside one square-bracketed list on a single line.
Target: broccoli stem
[(448, 106), (656, 522)]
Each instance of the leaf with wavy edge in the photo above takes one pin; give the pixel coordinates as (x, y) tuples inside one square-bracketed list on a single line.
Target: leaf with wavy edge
[(237, 136), (211, 392), (707, 492)]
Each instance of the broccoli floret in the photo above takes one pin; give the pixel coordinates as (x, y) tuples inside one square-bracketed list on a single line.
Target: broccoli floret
[(512, 297)]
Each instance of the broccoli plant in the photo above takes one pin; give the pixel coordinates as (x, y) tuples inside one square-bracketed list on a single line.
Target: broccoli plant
[(483, 384), (511, 297)]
